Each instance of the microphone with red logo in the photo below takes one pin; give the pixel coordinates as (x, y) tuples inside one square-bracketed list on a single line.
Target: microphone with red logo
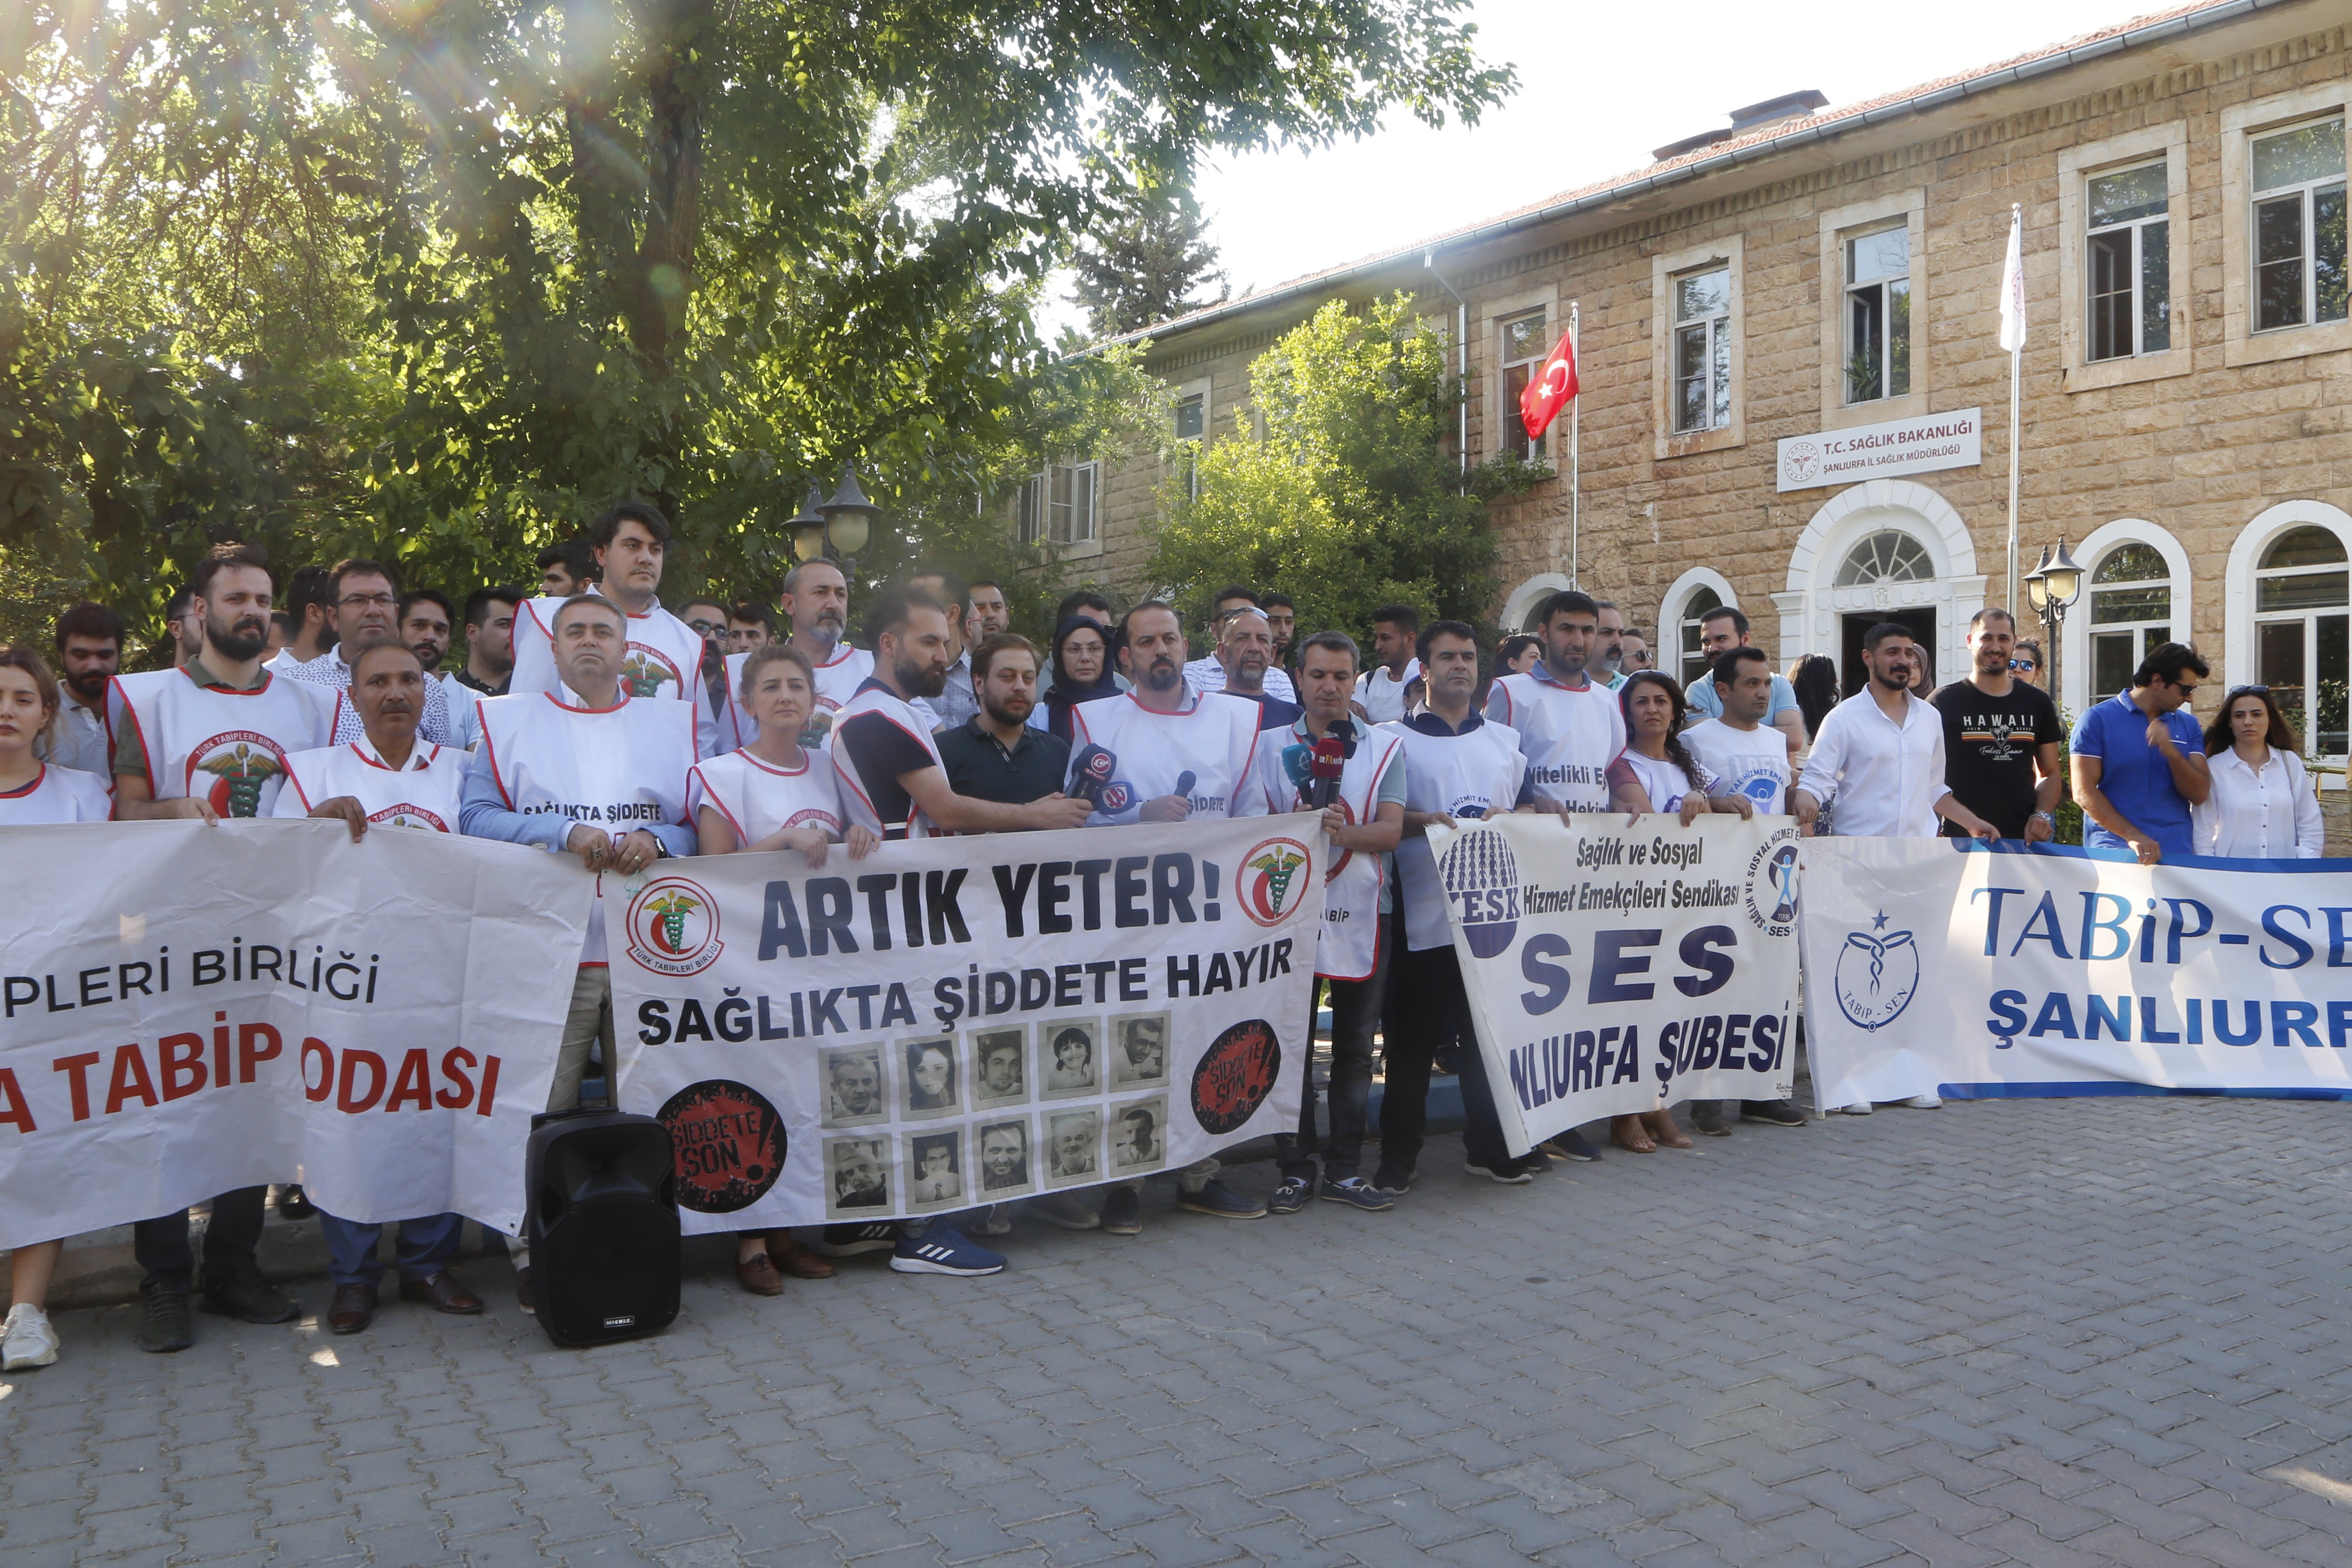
[(1325, 764), (1090, 774)]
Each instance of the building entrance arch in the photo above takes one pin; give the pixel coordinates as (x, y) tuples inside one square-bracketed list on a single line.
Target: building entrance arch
[(1889, 549)]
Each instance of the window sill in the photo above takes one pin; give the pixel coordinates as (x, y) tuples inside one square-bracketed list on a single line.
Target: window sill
[(2289, 342), (1691, 445), (2128, 372), (1090, 548), (1910, 405)]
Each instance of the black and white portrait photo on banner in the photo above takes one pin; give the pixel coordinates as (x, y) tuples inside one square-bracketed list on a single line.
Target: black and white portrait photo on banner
[(1139, 1140), (934, 1171), (857, 1178), (1000, 1066), (1007, 1168), (932, 1087), (1069, 1060), (1073, 1147), (1138, 1050), (855, 1092)]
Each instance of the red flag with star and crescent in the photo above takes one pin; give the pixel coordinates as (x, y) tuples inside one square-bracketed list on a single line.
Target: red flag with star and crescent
[(1551, 390)]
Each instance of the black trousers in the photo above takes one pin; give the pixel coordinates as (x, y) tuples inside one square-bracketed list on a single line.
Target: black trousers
[(162, 1246), (1355, 1016), (1428, 1010)]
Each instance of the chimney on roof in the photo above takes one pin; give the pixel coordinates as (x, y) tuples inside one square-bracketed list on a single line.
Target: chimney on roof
[(1761, 116)]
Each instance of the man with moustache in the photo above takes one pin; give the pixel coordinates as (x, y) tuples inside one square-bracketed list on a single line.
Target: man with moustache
[(1181, 755), (997, 754), (206, 740), (856, 1085), (489, 659), (425, 618), (815, 602), (309, 602), (1608, 651), (986, 613), (367, 609), (89, 639), (1569, 724), (1004, 1158), (955, 701), (1000, 1067), (1245, 653)]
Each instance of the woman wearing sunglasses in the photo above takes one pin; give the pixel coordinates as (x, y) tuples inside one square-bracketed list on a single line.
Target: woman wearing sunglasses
[(2262, 805), (2025, 662)]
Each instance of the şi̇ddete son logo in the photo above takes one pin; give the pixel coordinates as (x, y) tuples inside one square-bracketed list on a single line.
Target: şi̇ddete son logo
[(673, 927)]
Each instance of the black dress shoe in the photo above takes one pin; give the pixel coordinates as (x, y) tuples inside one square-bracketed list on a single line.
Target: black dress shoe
[(293, 1204), (445, 1290), (352, 1308)]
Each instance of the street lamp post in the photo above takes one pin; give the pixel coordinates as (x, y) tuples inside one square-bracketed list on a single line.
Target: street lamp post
[(840, 528), (2051, 588)]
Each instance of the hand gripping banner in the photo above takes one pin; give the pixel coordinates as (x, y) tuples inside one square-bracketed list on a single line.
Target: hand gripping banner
[(188, 1009), (1933, 965), (1617, 966), (956, 1022)]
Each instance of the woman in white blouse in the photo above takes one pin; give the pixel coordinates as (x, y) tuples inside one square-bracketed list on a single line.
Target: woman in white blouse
[(2262, 807)]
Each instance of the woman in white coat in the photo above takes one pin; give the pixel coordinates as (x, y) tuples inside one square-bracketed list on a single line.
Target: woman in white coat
[(2262, 807)]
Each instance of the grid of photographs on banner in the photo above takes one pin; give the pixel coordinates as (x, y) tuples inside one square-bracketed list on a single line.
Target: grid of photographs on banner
[(997, 1110)]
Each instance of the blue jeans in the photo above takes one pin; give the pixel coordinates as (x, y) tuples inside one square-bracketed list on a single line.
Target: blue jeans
[(425, 1247)]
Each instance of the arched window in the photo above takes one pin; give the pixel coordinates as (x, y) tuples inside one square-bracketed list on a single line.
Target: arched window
[(1696, 604), (2303, 632), (2131, 613), (1890, 555)]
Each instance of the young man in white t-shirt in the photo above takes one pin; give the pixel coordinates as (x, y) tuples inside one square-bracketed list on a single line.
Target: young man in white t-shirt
[(1751, 758), (1381, 691)]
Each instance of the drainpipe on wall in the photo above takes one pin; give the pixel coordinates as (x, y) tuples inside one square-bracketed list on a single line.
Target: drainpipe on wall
[(1462, 348)]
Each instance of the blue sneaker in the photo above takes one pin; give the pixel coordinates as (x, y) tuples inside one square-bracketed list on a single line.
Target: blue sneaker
[(849, 1240), (1356, 1193), (939, 1249), (1216, 1198)]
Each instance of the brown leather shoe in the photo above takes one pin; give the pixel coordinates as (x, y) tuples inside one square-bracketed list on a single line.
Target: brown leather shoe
[(759, 1276), (352, 1308), (794, 1259), (445, 1290)]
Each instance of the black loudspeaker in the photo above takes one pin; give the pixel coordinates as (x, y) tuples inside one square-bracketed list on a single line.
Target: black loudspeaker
[(604, 1226)]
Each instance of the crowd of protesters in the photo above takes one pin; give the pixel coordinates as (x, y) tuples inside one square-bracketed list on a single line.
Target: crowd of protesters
[(732, 725)]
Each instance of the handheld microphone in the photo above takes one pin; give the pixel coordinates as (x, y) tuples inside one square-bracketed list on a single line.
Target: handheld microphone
[(1325, 765), (1090, 774), (1185, 782), (1344, 729)]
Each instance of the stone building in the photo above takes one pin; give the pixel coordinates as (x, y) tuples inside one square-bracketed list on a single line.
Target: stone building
[(1795, 401)]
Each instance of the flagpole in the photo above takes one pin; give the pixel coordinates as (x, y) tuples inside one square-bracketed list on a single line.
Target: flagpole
[(1576, 458), (2016, 360)]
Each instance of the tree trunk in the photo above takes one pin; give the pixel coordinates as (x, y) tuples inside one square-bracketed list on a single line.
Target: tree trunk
[(676, 32)]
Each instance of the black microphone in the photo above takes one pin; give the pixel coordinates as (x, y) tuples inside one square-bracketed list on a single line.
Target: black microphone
[(1184, 782), (1090, 774), (1346, 730)]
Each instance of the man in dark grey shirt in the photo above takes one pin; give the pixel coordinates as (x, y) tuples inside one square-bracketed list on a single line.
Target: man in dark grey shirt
[(996, 754)]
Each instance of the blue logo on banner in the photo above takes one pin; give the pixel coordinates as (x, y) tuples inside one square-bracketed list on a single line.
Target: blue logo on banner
[(1481, 882), (1877, 975)]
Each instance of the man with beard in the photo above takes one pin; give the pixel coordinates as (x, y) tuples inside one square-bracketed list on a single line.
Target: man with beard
[(956, 701), (997, 754), (895, 784), (1246, 653), (2001, 737), (856, 1077), (367, 609), (1569, 724), (1181, 755), (309, 603), (816, 601), (987, 615), (1004, 1158), (89, 654), (186, 630), (425, 618), (663, 659), (489, 659), (1609, 653), (207, 741), (747, 627), (1001, 1076)]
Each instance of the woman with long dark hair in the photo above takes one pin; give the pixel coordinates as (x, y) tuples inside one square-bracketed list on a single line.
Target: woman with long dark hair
[(1814, 679), (1082, 672), (2262, 805)]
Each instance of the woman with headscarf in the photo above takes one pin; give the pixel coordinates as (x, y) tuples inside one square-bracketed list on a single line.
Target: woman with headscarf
[(1082, 672)]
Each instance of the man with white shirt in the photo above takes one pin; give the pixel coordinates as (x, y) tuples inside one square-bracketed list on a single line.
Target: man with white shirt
[(1181, 754), (1380, 690), (89, 654), (489, 659), (815, 603), (1569, 725), (590, 769), (1720, 630), (1749, 758), (367, 609), (309, 600), (664, 658), (1879, 756), (1208, 673), (388, 778)]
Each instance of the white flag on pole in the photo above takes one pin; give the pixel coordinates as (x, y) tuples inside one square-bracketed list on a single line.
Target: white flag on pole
[(2012, 285)]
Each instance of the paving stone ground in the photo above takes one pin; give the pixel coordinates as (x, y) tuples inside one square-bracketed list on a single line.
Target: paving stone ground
[(2056, 1331)]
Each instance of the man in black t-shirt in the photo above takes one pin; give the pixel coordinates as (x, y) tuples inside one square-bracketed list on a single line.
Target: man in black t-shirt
[(2000, 737)]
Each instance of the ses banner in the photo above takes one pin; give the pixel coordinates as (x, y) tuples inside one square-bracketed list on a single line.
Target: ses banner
[(1934, 966), (1618, 966), (956, 1022), (188, 1009)]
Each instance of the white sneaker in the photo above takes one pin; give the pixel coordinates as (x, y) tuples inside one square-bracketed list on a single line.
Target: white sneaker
[(1925, 1101), (996, 1220), (29, 1340), (1859, 1108)]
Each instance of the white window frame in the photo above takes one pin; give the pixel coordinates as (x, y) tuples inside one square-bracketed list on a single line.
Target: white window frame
[(2076, 168), (2241, 659), (1678, 614), (2075, 634), (1511, 432), (1851, 222), (1034, 507), (2242, 125), (1890, 287), (1665, 271), (2133, 233), (1186, 450), (2304, 194)]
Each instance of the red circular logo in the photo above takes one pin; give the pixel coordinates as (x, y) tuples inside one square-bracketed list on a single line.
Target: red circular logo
[(729, 1145), (1270, 877), (1236, 1073)]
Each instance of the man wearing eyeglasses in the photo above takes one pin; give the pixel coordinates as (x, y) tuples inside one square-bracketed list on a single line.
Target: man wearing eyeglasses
[(365, 608), (2139, 760)]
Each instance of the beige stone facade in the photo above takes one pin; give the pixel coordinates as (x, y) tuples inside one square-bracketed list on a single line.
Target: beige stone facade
[(2206, 450)]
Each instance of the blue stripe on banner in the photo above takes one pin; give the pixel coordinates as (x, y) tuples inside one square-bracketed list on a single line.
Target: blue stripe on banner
[(2103, 1087), (2323, 867)]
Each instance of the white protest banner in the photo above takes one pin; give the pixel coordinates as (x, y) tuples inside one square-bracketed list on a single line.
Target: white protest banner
[(188, 1009), (1933, 965), (1618, 966), (954, 1022)]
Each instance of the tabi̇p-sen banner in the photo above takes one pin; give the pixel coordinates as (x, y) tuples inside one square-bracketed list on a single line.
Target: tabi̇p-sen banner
[(961, 1021), (186, 1009), (1618, 966), (1933, 965)]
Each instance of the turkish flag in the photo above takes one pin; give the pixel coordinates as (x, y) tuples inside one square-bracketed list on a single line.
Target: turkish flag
[(1543, 398)]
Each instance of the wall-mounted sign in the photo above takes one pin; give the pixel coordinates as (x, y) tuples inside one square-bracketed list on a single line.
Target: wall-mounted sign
[(1921, 445)]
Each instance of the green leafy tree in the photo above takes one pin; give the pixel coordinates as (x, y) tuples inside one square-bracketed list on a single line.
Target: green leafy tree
[(1353, 497), (442, 280), (1145, 267)]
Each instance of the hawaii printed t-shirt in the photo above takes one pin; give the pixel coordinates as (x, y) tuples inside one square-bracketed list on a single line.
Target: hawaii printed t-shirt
[(1989, 749)]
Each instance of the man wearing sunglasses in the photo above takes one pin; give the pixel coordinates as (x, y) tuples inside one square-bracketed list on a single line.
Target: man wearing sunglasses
[(2139, 760)]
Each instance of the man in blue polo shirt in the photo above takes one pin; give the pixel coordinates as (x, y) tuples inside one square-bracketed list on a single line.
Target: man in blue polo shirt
[(2139, 760)]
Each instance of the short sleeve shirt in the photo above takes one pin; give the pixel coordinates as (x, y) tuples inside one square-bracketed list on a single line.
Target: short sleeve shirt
[(1703, 699), (1989, 750), (2134, 776)]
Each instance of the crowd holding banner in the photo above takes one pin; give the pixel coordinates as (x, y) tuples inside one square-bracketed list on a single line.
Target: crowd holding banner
[(764, 888)]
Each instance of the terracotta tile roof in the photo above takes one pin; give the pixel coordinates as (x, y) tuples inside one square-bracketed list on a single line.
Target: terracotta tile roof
[(1813, 127)]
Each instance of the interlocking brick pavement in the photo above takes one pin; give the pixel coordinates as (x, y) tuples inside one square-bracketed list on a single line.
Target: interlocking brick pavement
[(2049, 1333)]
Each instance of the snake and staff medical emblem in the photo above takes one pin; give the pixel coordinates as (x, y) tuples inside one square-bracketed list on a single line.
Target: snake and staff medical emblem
[(1876, 976)]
